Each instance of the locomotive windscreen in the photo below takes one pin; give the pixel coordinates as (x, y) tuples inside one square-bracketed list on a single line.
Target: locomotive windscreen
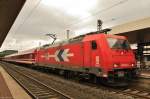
[(115, 43)]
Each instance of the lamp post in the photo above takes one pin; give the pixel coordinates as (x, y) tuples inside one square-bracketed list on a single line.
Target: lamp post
[(68, 31)]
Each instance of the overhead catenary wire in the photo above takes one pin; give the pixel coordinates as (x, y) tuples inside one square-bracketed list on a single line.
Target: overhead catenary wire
[(98, 12), (28, 16), (77, 21)]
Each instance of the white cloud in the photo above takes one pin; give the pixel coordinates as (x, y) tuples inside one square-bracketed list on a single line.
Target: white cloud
[(84, 31), (79, 16), (77, 8), (133, 46)]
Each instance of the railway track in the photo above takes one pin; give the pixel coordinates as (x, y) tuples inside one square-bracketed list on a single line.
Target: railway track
[(144, 94), (134, 92), (35, 88)]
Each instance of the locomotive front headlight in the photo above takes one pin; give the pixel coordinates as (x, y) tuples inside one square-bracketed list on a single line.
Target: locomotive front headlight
[(132, 65), (105, 75), (115, 65)]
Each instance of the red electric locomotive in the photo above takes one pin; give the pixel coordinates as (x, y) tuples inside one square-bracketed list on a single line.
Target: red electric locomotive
[(93, 56)]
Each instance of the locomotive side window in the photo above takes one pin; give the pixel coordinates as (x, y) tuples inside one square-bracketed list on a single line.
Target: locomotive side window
[(94, 45)]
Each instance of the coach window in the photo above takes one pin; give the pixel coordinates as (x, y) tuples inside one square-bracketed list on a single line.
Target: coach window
[(94, 45)]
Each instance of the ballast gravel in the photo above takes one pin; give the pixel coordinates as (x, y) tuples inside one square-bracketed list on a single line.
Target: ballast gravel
[(76, 90), (73, 89)]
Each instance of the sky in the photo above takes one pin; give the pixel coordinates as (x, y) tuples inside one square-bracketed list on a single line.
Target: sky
[(40, 17)]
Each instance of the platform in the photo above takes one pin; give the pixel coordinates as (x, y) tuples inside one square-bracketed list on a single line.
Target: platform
[(5, 93), (9, 88)]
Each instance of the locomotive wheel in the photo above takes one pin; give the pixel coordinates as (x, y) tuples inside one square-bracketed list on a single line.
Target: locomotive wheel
[(97, 80), (68, 74)]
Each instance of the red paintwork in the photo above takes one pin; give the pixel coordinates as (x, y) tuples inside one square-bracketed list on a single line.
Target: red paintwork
[(84, 56), (27, 57), (109, 56), (76, 60)]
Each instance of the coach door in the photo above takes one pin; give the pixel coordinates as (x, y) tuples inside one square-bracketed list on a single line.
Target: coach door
[(94, 54)]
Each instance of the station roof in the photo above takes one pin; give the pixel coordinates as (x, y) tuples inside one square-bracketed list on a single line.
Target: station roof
[(137, 31), (138, 36), (9, 9)]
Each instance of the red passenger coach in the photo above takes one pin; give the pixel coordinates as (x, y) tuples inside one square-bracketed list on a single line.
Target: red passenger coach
[(27, 57), (94, 55)]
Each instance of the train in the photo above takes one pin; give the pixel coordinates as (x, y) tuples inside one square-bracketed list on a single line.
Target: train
[(94, 56)]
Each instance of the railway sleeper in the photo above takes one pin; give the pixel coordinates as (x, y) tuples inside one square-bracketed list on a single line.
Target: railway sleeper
[(43, 94), (38, 92)]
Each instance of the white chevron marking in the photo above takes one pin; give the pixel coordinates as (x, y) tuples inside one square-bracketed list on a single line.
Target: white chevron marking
[(56, 57), (65, 55)]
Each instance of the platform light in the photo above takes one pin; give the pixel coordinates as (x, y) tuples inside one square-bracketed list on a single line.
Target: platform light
[(132, 65), (105, 75)]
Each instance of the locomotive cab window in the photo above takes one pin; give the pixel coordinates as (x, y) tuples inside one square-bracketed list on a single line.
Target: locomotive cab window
[(94, 45), (118, 43)]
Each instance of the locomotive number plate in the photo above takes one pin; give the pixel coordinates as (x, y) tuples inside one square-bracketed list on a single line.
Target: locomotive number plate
[(124, 65), (120, 74)]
